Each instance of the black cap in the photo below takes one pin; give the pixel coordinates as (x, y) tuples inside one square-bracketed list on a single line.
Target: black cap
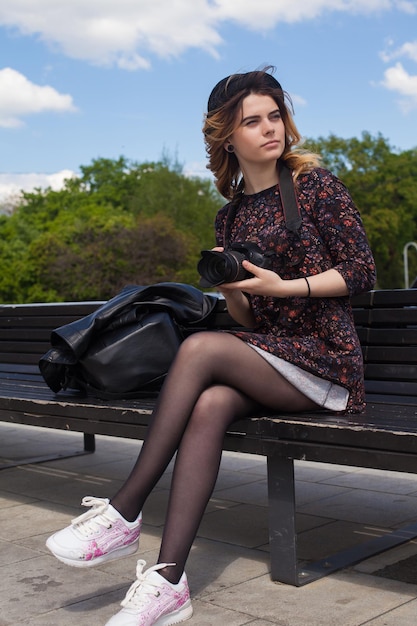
[(233, 84)]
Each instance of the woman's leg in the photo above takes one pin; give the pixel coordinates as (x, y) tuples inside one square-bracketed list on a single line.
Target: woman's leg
[(196, 470), (215, 379)]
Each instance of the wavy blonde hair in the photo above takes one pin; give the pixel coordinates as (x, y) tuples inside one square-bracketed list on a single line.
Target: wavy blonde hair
[(220, 122)]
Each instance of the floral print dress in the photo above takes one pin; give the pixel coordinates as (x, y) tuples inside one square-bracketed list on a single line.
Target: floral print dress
[(315, 334)]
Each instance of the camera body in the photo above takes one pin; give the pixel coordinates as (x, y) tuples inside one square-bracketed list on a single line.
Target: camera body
[(216, 268)]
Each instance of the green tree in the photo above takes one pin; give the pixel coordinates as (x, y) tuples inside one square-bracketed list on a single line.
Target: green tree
[(119, 222), (383, 184), (103, 261)]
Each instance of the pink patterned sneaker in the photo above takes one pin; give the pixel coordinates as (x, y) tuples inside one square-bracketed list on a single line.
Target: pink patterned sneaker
[(97, 536), (153, 601)]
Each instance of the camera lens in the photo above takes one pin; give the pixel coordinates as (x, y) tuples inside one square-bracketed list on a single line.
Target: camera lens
[(233, 267), (216, 268)]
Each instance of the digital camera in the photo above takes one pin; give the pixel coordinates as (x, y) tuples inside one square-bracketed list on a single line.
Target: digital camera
[(216, 268)]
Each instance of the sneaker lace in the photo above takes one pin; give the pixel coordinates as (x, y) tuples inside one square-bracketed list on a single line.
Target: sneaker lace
[(90, 520), (143, 586)]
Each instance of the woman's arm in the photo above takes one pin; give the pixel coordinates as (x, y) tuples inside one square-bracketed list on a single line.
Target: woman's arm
[(328, 284), (238, 306), (339, 223)]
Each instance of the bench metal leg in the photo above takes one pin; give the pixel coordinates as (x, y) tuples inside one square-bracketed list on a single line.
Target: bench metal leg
[(282, 532), (89, 442), (283, 535)]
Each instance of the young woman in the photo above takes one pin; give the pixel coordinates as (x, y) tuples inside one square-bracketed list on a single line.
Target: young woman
[(302, 352)]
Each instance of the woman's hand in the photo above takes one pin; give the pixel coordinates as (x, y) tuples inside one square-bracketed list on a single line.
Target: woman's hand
[(238, 305), (263, 283)]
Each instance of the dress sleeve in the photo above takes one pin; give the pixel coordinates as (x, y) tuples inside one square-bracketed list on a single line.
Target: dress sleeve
[(340, 225)]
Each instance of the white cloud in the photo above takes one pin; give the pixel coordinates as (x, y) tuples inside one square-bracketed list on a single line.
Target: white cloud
[(19, 97), (113, 32), (197, 168), (298, 101), (410, 50), (407, 6), (126, 33), (266, 14), (11, 185), (397, 79), (407, 50)]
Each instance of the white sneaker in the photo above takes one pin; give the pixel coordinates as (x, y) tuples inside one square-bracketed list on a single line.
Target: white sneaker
[(154, 601), (97, 536)]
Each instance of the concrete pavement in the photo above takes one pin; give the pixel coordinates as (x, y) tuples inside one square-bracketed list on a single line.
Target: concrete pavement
[(228, 569)]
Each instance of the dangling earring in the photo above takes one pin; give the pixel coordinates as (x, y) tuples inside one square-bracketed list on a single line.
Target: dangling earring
[(230, 148)]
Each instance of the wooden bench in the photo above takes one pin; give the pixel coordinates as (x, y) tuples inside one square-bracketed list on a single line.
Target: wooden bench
[(384, 437)]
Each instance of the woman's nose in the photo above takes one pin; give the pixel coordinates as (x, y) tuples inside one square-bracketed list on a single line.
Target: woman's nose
[(268, 127)]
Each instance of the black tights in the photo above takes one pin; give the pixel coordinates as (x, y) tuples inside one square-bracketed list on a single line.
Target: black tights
[(215, 379)]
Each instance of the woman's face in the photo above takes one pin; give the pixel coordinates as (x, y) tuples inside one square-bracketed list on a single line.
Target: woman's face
[(260, 134)]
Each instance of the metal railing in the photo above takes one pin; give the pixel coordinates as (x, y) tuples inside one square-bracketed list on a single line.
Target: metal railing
[(410, 244)]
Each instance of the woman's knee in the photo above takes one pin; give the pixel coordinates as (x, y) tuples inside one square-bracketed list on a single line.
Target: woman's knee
[(197, 343), (211, 400), (218, 405), (198, 351), (209, 342)]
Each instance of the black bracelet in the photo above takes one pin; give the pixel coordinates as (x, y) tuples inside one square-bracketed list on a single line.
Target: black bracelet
[(308, 285)]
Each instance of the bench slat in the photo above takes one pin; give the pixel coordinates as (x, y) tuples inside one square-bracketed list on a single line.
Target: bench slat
[(390, 354), (384, 317), (390, 388), (388, 336), (391, 372), (22, 358)]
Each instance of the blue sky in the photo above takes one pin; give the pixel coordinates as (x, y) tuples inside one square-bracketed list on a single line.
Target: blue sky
[(88, 79)]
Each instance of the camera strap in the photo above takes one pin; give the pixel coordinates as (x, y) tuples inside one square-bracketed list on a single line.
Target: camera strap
[(292, 214), (290, 205)]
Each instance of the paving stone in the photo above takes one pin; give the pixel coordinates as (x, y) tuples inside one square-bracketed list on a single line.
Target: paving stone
[(370, 507), (41, 585), (319, 542), (405, 615), (243, 525), (374, 480), (349, 599)]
